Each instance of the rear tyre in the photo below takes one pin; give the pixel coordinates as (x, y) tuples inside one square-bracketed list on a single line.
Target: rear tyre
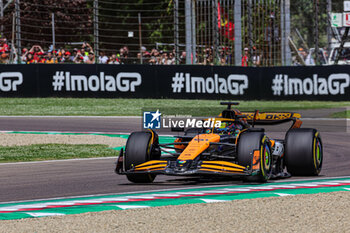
[(303, 152), (249, 142), (138, 150)]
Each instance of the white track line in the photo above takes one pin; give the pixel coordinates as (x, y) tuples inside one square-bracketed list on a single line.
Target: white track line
[(161, 190), (63, 132), (325, 119), (55, 161), (139, 117), (114, 117), (76, 132)]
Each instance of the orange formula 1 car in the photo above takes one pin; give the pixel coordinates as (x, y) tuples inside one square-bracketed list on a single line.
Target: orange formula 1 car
[(235, 148)]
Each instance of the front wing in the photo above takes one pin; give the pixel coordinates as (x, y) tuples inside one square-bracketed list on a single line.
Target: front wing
[(186, 168)]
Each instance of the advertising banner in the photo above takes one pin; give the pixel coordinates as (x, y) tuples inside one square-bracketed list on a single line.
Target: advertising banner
[(182, 82)]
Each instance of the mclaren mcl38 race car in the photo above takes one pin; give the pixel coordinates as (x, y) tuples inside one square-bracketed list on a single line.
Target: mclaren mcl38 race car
[(236, 148)]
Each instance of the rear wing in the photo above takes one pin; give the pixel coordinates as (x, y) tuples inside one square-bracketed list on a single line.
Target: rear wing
[(273, 118), (269, 116)]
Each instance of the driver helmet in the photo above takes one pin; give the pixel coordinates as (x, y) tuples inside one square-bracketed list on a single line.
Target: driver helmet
[(226, 127)]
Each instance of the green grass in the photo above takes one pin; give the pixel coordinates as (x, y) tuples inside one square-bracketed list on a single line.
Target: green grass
[(133, 107), (39, 152), (344, 114)]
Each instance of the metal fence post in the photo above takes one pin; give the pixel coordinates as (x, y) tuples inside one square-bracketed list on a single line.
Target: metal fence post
[(96, 32), (329, 26), (216, 48), (140, 38), (188, 22), (2, 16), (250, 31), (288, 54), (2, 9), (316, 32), (53, 35), (283, 34), (18, 30), (238, 32), (13, 38), (176, 31), (193, 16)]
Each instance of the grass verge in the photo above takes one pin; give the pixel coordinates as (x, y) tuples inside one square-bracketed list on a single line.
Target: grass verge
[(344, 114), (39, 152), (133, 107)]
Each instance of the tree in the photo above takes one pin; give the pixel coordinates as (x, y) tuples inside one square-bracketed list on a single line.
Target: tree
[(73, 21)]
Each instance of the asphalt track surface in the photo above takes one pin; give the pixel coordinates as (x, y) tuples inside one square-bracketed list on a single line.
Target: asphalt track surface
[(39, 180)]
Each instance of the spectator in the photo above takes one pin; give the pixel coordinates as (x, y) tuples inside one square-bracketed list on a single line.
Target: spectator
[(102, 59), (159, 60), (66, 57), (14, 55), (302, 53), (30, 59), (223, 61), (50, 59), (91, 58), (245, 57), (164, 59), (229, 57), (123, 55), (36, 51), (75, 51), (85, 50), (114, 59), (41, 58), (153, 56), (208, 57), (147, 57), (256, 57), (24, 55), (4, 50), (83, 53), (126, 50), (72, 56), (171, 60), (152, 60), (138, 57), (78, 59), (183, 58)]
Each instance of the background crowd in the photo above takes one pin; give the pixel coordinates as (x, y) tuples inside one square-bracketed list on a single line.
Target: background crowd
[(84, 54)]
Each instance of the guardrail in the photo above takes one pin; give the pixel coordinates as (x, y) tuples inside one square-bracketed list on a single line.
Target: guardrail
[(184, 82)]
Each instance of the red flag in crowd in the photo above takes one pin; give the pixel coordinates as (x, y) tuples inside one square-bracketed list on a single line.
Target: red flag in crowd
[(226, 27)]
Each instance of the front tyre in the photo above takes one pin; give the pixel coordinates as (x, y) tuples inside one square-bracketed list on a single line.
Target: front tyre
[(303, 152), (255, 141), (138, 150)]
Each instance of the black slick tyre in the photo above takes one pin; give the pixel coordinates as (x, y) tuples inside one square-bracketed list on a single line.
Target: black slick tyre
[(303, 152), (249, 142), (138, 150)]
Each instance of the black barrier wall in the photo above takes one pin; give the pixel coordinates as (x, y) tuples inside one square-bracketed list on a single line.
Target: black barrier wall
[(183, 82)]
